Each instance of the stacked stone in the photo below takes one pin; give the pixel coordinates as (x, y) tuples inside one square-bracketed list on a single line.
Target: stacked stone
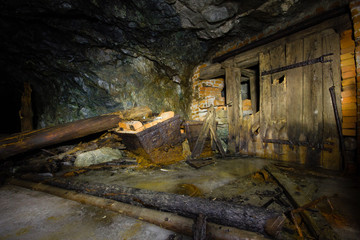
[(205, 94), (355, 13), (348, 75)]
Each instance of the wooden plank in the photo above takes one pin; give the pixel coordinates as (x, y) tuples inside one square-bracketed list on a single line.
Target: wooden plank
[(253, 94), (348, 74), (348, 68), (346, 56), (348, 106), (294, 54), (348, 81), (347, 43), (347, 50), (278, 89), (349, 132), (313, 97), (331, 77), (212, 71), (348, 93), (298, 198), (313, 104), (348, 99), (265, 94), (346, 33), (233, 94), (349, 113), (238, 108), (349, 119), (350, 125), (348, 62)]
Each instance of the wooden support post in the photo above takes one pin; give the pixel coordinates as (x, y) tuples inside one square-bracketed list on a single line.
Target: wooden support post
[(234, 103)]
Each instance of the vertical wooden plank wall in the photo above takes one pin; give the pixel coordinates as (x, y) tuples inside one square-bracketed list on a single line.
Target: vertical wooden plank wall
[(313, 97), (300, 109), (265, 103), (348, 75), (295, 87), (331, 77)]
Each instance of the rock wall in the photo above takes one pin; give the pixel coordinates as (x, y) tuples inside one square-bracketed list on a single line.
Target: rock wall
[(88, 57)]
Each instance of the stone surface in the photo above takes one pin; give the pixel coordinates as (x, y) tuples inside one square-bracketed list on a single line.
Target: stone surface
[(97, 156), (27, 214)]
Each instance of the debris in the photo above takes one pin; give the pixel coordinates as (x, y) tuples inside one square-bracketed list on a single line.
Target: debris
[(101, 155)]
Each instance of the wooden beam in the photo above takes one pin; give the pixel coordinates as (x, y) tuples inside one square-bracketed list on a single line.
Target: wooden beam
[(212, 71), (25, 141), (170, 221)]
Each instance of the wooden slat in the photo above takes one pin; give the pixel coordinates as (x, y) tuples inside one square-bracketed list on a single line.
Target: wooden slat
[(349, 132), (331, 76), (348, 99), (348, 74), (348, 106), (348, 68), (211, 71), (348, 62), (349, 113), (348, 93), (278, 90), (233, 95), (346, 56), (348, 81), (349, 119), (294, 54), (254, 94), (347, 43), (347, 50), (312, 96), (265, 93), (238, 108), (350, 125)]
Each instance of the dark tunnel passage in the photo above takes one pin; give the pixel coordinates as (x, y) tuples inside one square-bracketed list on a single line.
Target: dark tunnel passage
[(10, 100)]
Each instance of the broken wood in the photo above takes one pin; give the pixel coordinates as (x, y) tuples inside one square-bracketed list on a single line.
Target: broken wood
[(25, 141), (299, 199), (208, 125), (246, 217), (165, 220)]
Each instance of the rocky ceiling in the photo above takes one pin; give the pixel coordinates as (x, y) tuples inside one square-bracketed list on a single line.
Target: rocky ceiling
[(88, 57)]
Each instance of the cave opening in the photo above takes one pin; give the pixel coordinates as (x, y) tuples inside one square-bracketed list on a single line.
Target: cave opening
[(10, 99)]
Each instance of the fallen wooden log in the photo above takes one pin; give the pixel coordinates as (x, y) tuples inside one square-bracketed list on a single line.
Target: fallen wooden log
[(246, 217), (165, 220), (25, 141)]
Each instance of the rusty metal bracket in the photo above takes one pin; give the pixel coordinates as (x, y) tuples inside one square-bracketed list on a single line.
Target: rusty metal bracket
[(299, 64)]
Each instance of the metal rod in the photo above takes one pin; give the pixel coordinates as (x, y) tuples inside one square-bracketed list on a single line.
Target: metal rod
[(299, 64), (338, 125)]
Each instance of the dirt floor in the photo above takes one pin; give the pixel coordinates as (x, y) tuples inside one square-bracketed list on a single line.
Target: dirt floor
[(27, 214)]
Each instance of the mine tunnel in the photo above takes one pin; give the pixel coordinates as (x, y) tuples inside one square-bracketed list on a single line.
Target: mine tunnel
[(179, 119)]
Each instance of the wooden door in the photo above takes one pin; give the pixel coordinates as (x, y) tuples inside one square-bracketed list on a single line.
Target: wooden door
[(295, 105)]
